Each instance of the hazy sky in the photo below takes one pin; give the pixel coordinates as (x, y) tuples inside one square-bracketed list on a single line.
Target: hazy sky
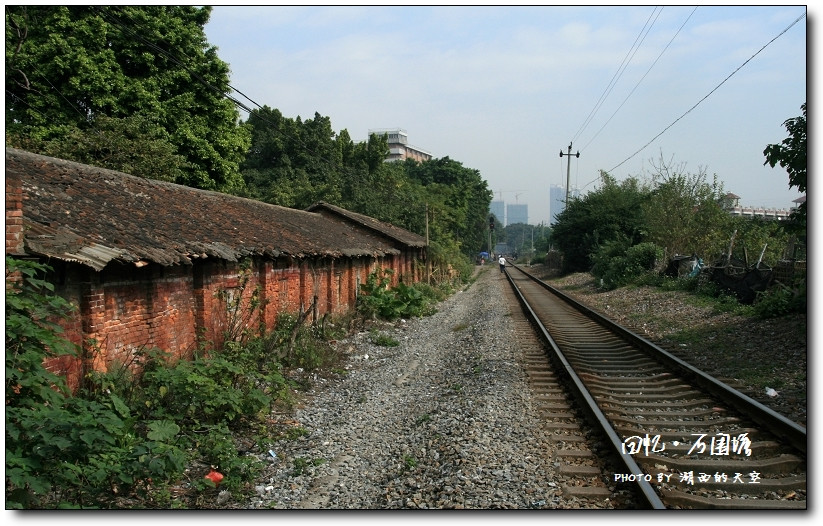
[(504, 89)]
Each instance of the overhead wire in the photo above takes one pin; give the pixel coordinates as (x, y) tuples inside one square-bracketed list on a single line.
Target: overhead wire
[(710, 92), (642, 78), (620, 70)]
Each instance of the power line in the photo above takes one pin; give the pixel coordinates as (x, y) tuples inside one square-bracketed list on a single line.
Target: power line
[(642, 78), (620, 70), (712, 91)]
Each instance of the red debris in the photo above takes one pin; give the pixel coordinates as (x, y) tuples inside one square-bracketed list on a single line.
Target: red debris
[(215, 477)]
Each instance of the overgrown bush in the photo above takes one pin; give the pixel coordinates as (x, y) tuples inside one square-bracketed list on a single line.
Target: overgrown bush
[(294, 343), (63, 450), (378, 300), (201, 391), (129, 434), (617, 264), (434, 294), (779, 301)]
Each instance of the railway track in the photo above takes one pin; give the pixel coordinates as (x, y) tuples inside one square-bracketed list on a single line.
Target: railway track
[(678, 437)]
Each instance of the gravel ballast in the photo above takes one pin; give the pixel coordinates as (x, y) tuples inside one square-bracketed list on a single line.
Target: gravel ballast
[(445, 420), (765, 359)]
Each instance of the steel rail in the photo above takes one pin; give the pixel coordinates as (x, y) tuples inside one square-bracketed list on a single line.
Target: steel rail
[(778, 424), (643, 487)]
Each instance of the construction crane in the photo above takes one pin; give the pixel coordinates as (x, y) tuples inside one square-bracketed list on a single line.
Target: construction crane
[(500, 193)]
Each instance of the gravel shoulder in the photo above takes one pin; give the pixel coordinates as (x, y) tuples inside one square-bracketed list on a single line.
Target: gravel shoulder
[(443, 420)]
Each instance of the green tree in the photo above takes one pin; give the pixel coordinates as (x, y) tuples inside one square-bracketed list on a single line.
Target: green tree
[(610, 213), (791, 155), (683, 213), (292, 162), (753, 235), (268, 167), (369, 185), (69, 66), (132, 145), (459, 199)]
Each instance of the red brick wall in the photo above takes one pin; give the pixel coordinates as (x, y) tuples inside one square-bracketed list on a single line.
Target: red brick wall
[(124, 309), (14, 216), (144, 313)]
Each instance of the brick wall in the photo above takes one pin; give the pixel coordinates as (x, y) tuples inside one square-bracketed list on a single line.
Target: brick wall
[(124, 309), (14, 216)]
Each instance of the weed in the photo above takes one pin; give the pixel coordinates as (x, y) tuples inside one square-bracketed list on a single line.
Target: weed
[(382, 339), (293, 433), (780, 301), (409, 462), (127, 435), (301, 465), (377, 299)]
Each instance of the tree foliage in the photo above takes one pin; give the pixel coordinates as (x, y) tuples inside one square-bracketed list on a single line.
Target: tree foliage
[(292, 163), (612, 212), (684, 213), (458, 200), (527, 242), (617, 263), (296, 163), (138, 89), (69, 68), (791, 155), (620, 232), (132, 145)]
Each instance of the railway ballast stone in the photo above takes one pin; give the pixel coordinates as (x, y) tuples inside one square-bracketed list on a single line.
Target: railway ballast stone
[(444, 420)]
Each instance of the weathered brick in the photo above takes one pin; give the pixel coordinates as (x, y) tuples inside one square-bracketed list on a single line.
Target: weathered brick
[(161, 287)]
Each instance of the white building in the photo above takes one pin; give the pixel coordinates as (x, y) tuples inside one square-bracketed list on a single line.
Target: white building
[(399, 147), (731, 204)]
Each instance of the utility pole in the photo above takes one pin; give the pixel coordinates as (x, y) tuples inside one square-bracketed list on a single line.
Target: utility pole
[(428, 260), (491, 229), (568, 169)]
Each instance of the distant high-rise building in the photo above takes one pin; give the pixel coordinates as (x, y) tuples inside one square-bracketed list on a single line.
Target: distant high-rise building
[(497, 208), (517, 213)]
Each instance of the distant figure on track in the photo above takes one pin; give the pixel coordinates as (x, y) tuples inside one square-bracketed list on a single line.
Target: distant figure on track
[(502, 262)]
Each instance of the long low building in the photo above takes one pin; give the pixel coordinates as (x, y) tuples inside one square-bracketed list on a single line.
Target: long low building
[(154, 264)]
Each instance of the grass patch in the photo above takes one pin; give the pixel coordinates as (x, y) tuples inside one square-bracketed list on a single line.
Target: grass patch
[(409, 462), (382, 339), (761, 375), (301, 465)]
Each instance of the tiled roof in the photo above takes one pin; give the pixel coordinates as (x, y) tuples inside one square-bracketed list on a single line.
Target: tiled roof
[(93, 216), (404, 236)]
